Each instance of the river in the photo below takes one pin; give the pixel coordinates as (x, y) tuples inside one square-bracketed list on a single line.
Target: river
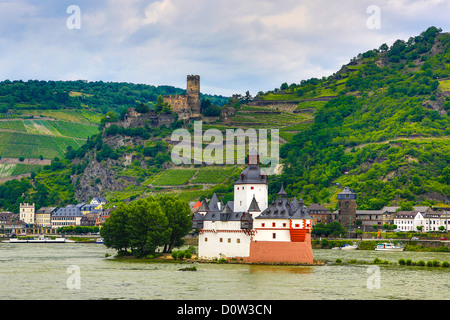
[(82, 271)]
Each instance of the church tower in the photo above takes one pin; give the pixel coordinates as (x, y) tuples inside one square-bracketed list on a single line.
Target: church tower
[(252, 183), (347, 207)]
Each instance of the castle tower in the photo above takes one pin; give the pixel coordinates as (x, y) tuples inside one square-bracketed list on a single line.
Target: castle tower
[(347, 207), (193, 93), (252, 184)]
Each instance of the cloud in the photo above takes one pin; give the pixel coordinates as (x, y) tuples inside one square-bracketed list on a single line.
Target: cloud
[(233, 45)]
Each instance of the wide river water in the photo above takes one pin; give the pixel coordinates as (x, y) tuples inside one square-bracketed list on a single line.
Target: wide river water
[(81, 271)]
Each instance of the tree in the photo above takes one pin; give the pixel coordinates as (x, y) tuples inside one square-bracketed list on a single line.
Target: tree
[(142, 108), (114, 230), (148, 227), (146, 224), (161, 106)]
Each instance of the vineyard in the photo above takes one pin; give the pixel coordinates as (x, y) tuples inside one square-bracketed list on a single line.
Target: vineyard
[(203, 175), (17, 145), (174, 177), (213, 175), (36, 138), (7, 170)]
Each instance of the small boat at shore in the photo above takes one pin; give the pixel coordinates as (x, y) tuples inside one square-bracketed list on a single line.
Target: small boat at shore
[(99, 240), (389, 246), (346, 246), (41, 239)]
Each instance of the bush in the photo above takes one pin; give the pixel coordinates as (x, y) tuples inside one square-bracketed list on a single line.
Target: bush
[(421, 263), (180, 255), (429, 263), (338, 261), (445, 264), (408, 262), (402, 262)]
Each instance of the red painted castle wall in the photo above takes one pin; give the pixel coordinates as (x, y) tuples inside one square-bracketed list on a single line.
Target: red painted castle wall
[(278, 252)]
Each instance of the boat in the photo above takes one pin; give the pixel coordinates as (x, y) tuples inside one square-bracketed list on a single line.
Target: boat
[(346, 246), (40, 239), (389, 246), (99, 240)]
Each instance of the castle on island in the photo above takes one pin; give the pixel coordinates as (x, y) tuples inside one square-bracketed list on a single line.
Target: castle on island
[(252, 230)]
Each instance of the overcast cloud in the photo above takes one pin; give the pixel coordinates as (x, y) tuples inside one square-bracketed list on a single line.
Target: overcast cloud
[(233, 45)]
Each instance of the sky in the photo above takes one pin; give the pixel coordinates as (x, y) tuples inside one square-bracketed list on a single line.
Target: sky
[(234, 45)]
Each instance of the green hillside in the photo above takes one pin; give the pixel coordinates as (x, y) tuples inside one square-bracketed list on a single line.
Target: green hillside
[(386, 132), (380, 125)]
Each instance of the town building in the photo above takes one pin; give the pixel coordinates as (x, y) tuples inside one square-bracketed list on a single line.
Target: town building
[(27, 213), (69, 216), (406, 220), (99, 201), (319, 214), (250, 229), (44, 216), (101, 218)]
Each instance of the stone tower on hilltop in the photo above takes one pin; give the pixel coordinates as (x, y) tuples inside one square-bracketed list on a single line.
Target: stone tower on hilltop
[(193, 93), (347, 207), (187, 105)]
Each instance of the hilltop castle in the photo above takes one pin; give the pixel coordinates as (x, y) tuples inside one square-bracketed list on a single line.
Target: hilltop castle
[(250, 229), (186, 105)]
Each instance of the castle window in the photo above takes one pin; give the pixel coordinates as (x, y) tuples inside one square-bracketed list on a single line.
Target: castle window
[(221, 240), (251, 188), (273, 224), (284, 225), (274, 235), (206, 239), (229, 240), (297, 225), (238, 240), (263, 225)]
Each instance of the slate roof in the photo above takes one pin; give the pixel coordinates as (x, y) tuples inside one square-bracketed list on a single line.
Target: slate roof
[(347, 193), (69, 211), (252, 174), (47, 210), (282, 208)]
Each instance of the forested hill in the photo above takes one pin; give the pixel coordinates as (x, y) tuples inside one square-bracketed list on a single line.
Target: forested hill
[(379, 125), (385, 133), (98, 96)]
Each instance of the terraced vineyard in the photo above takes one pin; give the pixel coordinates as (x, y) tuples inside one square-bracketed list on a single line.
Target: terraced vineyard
[(213, 175), (174, 177)]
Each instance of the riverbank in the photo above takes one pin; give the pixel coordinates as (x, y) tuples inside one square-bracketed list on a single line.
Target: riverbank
[(167, 258), (370, 244)]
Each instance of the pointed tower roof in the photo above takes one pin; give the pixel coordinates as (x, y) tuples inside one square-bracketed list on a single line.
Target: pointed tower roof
[(227, 210), (213, 203), (254, 205), (282, 193)]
